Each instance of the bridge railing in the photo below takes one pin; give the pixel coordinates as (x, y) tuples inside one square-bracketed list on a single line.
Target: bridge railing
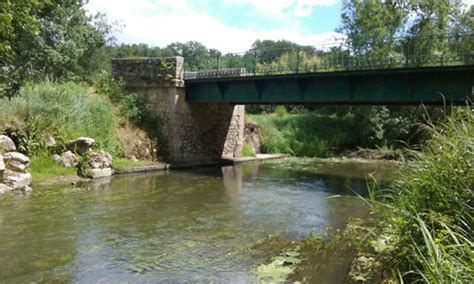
[(339, 55)]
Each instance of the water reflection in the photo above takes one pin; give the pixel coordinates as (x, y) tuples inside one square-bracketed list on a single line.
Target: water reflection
[(196, 225)]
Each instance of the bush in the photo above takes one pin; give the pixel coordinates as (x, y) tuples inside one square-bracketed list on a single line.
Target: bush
[(66, 111)]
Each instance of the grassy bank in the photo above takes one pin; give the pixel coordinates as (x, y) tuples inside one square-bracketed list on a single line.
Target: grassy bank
[(421, 229), (306, 134), (67, 111), (430, 215)]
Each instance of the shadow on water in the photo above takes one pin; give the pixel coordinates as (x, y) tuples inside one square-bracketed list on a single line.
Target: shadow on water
[(206, 224)]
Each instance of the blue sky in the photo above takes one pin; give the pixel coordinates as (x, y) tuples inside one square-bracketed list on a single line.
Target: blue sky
[(228, 25)]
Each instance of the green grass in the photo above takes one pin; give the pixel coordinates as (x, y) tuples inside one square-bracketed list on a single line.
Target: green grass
[(43, 168), (247, 151), (127, 163), (431, 216), (66, 111), (303, 135)]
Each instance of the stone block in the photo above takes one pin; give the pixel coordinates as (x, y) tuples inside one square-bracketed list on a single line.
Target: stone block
[(100, 173), (100, 160), (6, 144), (67, 159), (16, 161), (80, 145), (17, 180), (2, 164), (4, 188)]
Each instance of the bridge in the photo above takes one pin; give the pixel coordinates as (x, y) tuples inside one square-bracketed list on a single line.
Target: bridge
[(401, 86), (199, 105)]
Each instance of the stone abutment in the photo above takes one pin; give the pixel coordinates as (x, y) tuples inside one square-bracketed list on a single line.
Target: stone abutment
[(191, 134)]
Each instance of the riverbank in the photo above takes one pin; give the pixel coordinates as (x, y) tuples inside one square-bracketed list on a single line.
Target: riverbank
[(420, 225)]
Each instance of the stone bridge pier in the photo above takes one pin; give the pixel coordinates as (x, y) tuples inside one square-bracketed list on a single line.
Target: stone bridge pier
[(190, 134)]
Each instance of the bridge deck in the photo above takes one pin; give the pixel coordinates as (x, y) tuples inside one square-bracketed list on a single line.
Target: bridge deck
[(428, 85)]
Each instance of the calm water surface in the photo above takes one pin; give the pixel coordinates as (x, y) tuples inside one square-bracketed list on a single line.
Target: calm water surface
[(202, 225)]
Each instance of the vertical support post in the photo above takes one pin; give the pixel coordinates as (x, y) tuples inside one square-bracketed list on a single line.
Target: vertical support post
[(255, 63), (297, 60)]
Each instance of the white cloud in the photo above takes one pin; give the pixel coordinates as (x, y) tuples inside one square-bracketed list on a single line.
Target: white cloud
[(280, 8), (468, 3), (166, 21)]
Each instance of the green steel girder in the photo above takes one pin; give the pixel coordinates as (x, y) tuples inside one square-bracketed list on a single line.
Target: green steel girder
[(431, 85)]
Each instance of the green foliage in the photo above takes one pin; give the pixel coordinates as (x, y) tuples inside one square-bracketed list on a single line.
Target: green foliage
[(66, 111), (432, 206), (52, 39), (43, 167), (281, 111), (114, 90), (247, 151), (305, 134)]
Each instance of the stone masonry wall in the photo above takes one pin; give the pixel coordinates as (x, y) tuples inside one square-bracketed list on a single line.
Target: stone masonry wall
[(193, 133)]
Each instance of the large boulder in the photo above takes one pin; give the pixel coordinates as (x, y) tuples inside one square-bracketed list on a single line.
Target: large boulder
[(6, 144), (16, 161), (100, 160), (4, 188), (80, 145), (100, 173), (67, 159), (17, 181)]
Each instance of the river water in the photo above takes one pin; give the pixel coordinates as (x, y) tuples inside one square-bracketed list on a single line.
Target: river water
[(211, 224)]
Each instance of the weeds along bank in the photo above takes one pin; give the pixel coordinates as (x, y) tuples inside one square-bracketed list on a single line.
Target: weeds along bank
[(323, 131), (429, 211), (66, 111), (421, 229)]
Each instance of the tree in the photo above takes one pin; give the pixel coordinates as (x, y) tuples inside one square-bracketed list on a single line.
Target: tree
[(53, 39), (19, 25), (372, 26)]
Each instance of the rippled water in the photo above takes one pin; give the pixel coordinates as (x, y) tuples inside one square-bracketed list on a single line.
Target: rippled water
[(207, 224)]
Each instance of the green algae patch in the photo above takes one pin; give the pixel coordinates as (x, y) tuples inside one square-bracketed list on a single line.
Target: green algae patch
[(279, 268)]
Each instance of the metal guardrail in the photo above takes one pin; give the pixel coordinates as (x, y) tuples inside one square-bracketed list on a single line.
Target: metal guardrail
[(215, 73), (339, 55)]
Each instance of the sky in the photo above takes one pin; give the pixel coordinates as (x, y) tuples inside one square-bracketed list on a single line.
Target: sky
[(226, 25)]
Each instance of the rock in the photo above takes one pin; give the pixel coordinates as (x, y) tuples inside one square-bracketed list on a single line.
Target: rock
[(49, 140), (80, 145), (4, 188), (16, 180), (2, 164), (67, 159), (6, 144), (100, 173), (27, 189), (16, 161), (100, 160)]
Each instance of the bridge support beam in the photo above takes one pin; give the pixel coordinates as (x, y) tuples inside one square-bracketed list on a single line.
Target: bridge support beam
[(190, 134)]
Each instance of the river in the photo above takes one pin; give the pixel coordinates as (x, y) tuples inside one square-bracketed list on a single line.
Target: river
[(213, 224)]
